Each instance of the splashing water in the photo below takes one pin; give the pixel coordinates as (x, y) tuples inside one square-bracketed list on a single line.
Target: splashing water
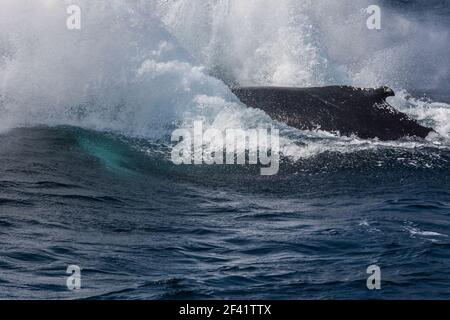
[(100, 191), (142, 67)]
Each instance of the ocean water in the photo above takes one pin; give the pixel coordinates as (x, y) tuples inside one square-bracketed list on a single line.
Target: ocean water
[(86, 177)]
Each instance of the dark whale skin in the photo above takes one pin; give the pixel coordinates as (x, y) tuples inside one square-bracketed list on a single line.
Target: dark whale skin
[(344, 109)]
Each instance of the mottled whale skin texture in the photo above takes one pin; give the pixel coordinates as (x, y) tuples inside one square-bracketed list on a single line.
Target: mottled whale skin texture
[(347, 110)]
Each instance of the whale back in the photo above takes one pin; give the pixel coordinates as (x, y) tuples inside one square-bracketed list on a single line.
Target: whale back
[(347, 110)]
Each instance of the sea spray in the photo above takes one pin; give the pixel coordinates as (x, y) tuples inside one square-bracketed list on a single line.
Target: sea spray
[(144, 68)]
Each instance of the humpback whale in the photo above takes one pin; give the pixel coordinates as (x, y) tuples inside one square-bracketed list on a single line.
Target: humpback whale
[(344, 109)]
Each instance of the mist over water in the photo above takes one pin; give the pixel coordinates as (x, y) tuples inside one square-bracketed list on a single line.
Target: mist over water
[(311, 43), (122, 71)]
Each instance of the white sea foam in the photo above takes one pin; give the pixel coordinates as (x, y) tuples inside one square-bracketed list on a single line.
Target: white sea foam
[(419, 232), (435, 114)]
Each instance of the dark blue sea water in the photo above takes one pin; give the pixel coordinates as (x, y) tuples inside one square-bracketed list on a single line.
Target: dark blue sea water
[(142, 228)]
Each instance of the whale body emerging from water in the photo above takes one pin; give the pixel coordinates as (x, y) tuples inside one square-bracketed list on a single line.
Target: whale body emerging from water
[(347, 110)]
